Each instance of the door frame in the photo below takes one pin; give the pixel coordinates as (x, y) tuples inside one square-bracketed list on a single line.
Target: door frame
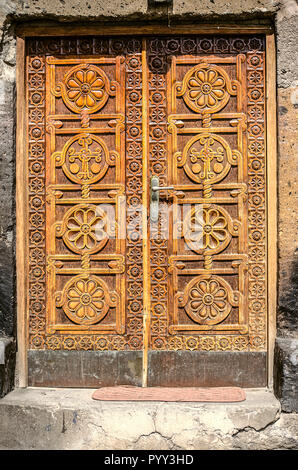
[(30, 30)]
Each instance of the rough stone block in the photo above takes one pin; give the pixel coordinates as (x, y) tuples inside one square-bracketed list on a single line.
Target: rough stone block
[(7, 365), (81, 9), (223, 7), (285, 371)]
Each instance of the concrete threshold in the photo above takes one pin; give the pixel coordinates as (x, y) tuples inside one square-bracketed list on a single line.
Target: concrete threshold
[(53, 418)]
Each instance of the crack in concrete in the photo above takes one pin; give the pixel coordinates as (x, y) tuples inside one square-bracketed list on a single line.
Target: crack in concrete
[(258, 430), (168, 439), (64, 428), (96, 425)]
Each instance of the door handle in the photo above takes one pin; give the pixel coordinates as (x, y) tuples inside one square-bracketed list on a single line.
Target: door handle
[(154, 197)]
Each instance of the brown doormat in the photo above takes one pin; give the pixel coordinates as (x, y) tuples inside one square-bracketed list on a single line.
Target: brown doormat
[(186, 394)]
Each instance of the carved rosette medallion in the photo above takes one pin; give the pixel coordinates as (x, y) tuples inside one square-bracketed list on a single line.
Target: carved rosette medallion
[(208, 300), (208, 229), (84, 87), (85, 301), (206, 88), (85, 229)]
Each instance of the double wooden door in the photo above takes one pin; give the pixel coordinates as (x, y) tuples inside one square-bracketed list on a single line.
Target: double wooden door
[(128, 283)]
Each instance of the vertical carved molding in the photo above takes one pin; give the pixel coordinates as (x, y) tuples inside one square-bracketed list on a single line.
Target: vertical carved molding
[(36, 183), (134, 167), (158, 167), (257, 245)]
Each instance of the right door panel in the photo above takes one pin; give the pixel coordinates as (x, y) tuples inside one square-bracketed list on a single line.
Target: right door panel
[(208, 265)]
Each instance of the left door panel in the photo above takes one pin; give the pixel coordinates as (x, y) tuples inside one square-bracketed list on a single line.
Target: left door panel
[(84, 153)]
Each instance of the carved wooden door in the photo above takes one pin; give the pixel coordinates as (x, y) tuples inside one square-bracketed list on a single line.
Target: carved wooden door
[(113, 296), (208, 291)]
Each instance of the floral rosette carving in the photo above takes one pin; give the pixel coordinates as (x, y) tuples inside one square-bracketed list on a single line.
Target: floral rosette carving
[(206, 88), (208, 229), (85, 88), (86, 299), (84, 229), (208, 300)]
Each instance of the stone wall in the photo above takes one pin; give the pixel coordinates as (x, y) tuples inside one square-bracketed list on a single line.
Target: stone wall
[(286, 350), (7, 172), (287, 82), (283, 14)]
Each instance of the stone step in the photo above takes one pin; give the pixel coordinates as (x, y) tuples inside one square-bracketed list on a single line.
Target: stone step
[(65, 419)]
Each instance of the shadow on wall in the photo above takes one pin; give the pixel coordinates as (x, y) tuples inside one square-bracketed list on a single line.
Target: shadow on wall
[(287, 304)]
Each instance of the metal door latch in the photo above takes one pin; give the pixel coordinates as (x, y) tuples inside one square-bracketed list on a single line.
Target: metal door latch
[(154, 197)]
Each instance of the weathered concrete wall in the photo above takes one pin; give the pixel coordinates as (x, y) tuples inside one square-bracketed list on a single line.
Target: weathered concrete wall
[(284, 13), (286, 361), (7, 365)]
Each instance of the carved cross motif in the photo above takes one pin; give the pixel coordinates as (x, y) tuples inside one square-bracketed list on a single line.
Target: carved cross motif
[(85, 155), (206, 155)]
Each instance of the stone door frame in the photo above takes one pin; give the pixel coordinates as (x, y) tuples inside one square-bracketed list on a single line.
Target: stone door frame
[(21, 191)]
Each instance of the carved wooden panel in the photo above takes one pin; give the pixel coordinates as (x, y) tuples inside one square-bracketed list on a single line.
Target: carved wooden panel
[(205, 135), (207, 124), (85, 159)]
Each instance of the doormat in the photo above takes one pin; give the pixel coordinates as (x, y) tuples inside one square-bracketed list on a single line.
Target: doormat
[(165, 394)]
